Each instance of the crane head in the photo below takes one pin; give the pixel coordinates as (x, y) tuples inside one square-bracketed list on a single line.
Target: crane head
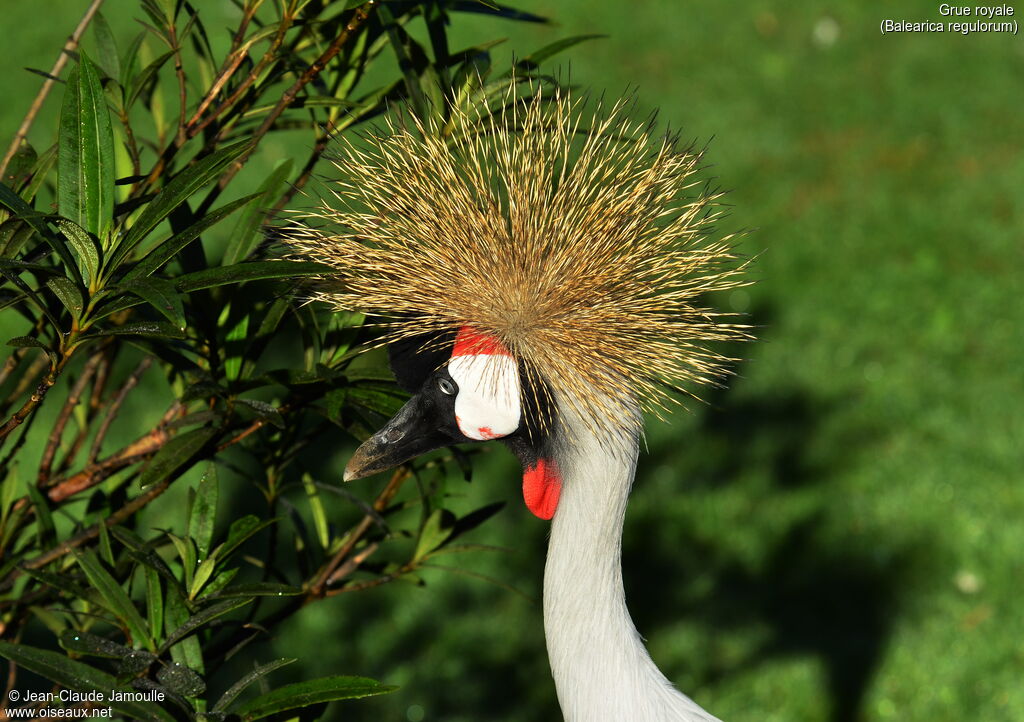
[(568, 255), (475, 396)]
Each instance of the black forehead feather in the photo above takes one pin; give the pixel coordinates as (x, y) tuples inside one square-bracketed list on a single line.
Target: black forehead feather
[(415, 358)]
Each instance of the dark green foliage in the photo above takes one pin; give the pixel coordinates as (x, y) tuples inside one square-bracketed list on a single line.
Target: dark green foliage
[(141, 550)]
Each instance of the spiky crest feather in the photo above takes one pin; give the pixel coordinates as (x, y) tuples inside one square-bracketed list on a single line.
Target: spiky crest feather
[(584, 249)]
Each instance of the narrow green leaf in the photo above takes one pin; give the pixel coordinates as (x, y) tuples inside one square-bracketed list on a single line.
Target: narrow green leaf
[(26, 342), (57, 581), (85, 248), (264, 411), (487, 7), (130, 539), (174, 454), (139, 82), (13, 202), (154, 601), (316, 506), (538, 56), (40, 173), (241, 272), (473, 520), (156, 258), (129, 60), (187, 552), (255, 675), (305, 694), (14, 234), (108, 59), (187, 651), (241, 530), (143, 553), (72, 674), (379, 400), (176, 192), (181, 680), (85, 187), (20, 165), (220, 580), (204, 511), (106, 553), (92, 644), (54, 621), (401, 43), (261, 589), (161, 295), (245, 236), (271, 319), (436, 530), (12, 276), (115, 598), (336, 399), (68, 293), (437, 21), (201, 619), (10, 489), (202, 575), (135, 662), (233, 347), (143, 328), (45, 530)]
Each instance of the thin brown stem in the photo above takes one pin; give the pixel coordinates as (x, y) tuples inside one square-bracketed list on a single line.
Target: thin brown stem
[(179, 71), (11, 363), (29, 406), (231, 62), (245, 433), (99, 385), (35, 369), (74, 396), (307, 172), (371, 583), (130, 143), (327, 575), (58, 66), (315, 68), (12, 677), (258, 424), (192, 130), (353, 563), (142, 448), (268, 57), (92, 532), (115, 406), (13, 449)]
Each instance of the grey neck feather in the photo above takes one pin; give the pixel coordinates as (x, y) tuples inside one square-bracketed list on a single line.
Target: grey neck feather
[(601, 668)]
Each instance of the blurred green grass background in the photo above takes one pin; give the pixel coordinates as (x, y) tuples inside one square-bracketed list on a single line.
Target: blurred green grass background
[(839, 535)]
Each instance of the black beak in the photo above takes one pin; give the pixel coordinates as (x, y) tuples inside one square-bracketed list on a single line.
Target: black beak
[(411, 432)]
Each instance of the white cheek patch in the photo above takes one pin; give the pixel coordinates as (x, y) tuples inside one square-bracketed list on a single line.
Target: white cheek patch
[(488, 402)]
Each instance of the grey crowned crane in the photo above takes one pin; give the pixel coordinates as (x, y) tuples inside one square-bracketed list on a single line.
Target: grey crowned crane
[(538, 272)]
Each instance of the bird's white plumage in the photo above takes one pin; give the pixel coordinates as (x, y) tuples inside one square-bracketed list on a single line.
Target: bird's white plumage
[(601, 668)]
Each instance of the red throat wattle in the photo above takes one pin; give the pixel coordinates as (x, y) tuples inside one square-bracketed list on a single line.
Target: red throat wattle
[(542, 485)]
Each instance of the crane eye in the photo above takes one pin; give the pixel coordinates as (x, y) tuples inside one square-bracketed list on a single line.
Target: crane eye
[(446, 386)]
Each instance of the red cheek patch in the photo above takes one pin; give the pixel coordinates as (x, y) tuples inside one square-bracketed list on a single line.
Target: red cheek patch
[(542, 485)]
